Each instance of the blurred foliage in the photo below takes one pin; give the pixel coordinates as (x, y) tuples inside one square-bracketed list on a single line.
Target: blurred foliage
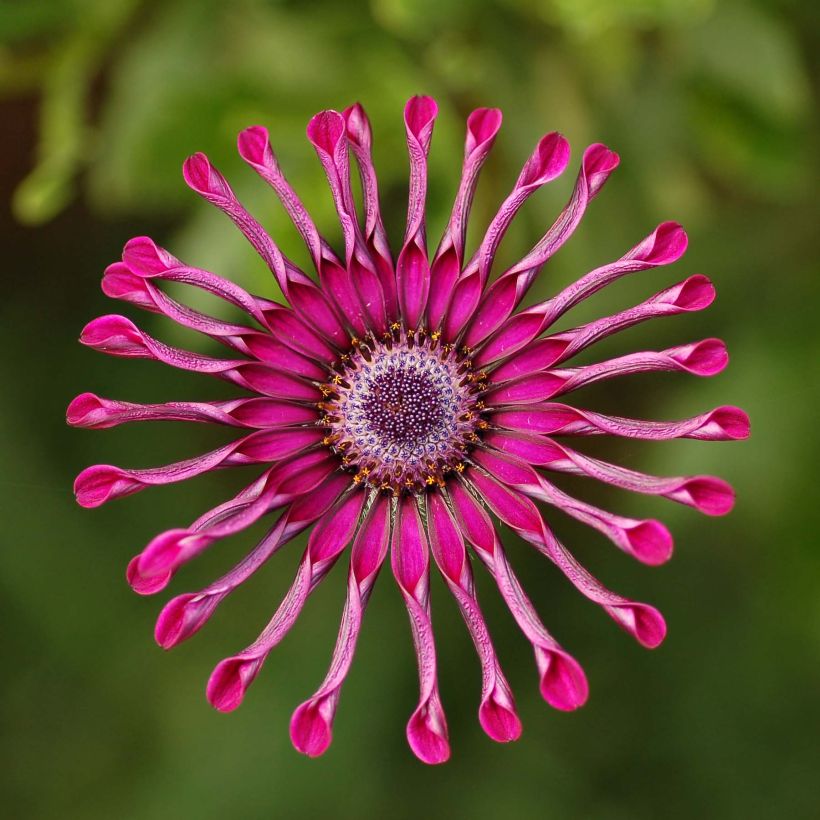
[(712, 105)]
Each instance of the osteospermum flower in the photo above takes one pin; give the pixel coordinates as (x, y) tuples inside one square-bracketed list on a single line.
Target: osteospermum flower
[(403, 406)]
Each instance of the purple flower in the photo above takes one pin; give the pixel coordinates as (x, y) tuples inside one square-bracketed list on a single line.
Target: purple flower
[(403, 407)]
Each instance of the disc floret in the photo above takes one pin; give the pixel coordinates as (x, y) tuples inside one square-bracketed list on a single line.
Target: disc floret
[(403, 411)]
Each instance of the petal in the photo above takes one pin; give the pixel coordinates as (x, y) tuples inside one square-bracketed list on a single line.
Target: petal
[(706, 493), (412, 267), (504, 294), (184, 615), (642, 621), (497, 713), (724, 423), (663, 246), (704, 358), (694, 293), (427, 727), (312, 722), (154, 567), (482, 126), (231, 678), (359, 136)]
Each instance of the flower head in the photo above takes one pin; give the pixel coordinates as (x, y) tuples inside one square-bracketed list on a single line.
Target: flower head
[(402, 405)]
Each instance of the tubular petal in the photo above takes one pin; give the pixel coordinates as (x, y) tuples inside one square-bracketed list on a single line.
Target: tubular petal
[(93, 412), (648, 541), (666, 244), (154, 567), (412, 267), (705, 358), (563, 683), (642, 621), (482, 126), (184, 615), (503, 295), (724, 423), (548, 161), (119, 336), (231, 678), (708, 494), (497, 713), (360, 138), (694, 293), (362, 296), (312, 722), (427, 727), (103, 482)]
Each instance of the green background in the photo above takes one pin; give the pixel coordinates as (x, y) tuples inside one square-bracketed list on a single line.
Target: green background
[(712, 106)]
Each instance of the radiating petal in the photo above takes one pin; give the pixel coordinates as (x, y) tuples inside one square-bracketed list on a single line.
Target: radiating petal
[(427, 727), (312, 722), (497, 712), (231, 678), (563, 683)]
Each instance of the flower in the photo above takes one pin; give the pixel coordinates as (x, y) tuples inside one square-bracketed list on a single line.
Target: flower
[(401, 407)]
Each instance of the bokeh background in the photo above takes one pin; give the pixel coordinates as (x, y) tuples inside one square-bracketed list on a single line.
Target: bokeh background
[(712, 106)]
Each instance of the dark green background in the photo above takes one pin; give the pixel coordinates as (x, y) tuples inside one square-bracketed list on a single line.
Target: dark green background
[(712, 106)]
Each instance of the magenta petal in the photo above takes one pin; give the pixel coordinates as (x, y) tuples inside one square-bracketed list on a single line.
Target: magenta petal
[(706, 358), (413, 281), (482, 127), (527, 390), (310, 731), (326, 130), (427, 734), (119, 282), (496, 713), (721, 424), (563, 683), (498, 720), (145, 585), (182, 616), (642, 621), (229, 682), (710, 495)]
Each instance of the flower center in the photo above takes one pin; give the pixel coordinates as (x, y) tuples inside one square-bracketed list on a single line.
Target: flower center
[(402, 412)]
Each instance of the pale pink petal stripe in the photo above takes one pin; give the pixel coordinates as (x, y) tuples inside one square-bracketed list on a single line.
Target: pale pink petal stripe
[(186, 614), (327, 133), (497, 713), (563, 683), (708, 494), (641, 621), (705, 358), (232, 676), (103, 482), (694, 293), (427, 727), (153, 568), (725, 423), (360, 139), (311, 726), (93, 412), (665, 245), (548, 161), (504, 295), (482, 126), (412, 266), (119, 336)]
